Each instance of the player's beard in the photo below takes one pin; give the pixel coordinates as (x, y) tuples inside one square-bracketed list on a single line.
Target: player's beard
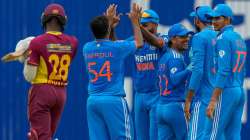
[(182, 47)]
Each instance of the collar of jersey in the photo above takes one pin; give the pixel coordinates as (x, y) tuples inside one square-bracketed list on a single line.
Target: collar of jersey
[(209, 27), (54, 32), (226, 28), (102, 40), (173, 50)]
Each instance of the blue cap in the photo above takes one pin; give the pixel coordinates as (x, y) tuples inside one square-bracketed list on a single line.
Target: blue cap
[(222, 10), (201, 13), (178, 30), (150, 16)]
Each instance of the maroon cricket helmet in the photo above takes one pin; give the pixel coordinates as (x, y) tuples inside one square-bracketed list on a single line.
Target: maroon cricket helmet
[(54, 10)]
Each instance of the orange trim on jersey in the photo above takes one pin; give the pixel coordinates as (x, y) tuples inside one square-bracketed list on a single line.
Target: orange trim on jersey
[(32, 63), (54, 32)]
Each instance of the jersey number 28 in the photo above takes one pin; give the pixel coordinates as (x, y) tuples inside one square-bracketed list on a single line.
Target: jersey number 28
[(60, 67)]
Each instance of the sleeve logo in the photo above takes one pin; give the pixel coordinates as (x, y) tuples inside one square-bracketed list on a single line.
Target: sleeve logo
[(221, 53), (173, 70)]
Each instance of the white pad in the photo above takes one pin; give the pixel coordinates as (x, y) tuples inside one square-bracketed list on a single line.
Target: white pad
[(22, 46)]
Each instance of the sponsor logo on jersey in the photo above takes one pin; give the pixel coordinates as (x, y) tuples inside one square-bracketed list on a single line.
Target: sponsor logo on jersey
[(146, 58), (145, 66)]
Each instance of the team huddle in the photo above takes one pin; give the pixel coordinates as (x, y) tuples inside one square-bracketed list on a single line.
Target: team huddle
[(188, 85)]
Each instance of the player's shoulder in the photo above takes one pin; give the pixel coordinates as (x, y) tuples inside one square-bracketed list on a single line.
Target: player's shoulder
[(168, 54), (231, 34), (89, 45), (209, 35), (199, 38), (73, 39), (226, 35), (164, 58), (201, 35), (174, 55), (39, 38), (197, 35), (171, 57), (37, 42), (210, 32), (131, 38), (118, 43)]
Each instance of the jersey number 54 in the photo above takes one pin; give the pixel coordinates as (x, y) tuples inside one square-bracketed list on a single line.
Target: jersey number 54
[(105, 66)]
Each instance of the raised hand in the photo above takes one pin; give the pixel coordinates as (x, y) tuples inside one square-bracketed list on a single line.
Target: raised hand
[(135, 13), (116, 20), (112, 15), (134, 16), (111, 11)]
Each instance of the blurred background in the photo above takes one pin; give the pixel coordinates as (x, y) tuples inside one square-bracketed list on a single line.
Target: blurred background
[(21, 18)]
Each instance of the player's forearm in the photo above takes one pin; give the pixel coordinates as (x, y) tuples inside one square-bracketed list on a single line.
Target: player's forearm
[(189, 95), (151, 38), (29, 72), (137, 35), (216, 93), (195, 80), (179, 77), (112, 35), (197, 70)]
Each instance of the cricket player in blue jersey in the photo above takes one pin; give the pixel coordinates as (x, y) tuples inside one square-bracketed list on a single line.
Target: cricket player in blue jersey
[(226, 105), (107, 111), (173, 74), (203, 72), (145, 77)]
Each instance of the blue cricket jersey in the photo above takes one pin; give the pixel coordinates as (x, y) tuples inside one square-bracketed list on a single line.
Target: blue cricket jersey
[(146, 64), (232, 52), (203, 58), (173, 76), (105, 65)]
